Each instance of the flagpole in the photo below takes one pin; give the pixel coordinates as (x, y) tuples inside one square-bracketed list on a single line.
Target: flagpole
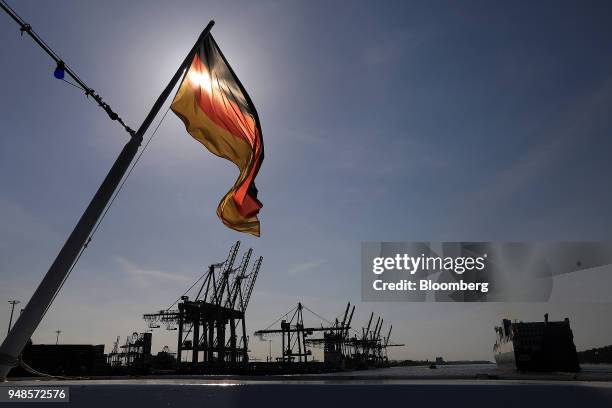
[(41, 300)]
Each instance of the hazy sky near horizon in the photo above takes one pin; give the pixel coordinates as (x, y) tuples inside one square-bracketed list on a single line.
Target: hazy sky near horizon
[(394, 121)]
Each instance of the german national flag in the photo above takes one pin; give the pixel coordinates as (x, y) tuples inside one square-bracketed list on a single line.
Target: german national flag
[(219, 113)]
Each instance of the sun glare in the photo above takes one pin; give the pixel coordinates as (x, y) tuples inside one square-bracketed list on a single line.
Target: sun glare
[(201, 79)]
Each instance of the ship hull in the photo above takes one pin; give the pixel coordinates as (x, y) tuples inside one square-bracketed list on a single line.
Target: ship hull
[(536, 346), (505, 359)]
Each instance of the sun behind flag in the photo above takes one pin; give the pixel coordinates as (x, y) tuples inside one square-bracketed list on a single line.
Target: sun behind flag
[(217, 112)]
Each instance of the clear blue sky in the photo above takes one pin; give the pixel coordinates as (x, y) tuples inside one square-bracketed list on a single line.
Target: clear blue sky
[(382, 121)]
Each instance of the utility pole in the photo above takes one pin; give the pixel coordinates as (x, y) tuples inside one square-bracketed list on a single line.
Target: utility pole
[(48, 288), (270, 352), (57, 338), (13, 302)]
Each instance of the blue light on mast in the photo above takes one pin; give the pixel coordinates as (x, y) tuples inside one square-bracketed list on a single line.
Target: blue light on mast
[(59, 70)]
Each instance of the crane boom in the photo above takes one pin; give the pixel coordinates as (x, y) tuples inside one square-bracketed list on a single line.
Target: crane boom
[(373, 334), (365, 333), (251, 283), (388, 336), (236, 286), (348, 305), (377, 337), (227, 269), (348, 325)]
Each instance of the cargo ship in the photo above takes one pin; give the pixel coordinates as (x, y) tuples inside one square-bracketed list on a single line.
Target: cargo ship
[(536, 346)]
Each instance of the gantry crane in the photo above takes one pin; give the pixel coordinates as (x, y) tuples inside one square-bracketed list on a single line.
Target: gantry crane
[(221, 300), (365, 349), (294, 336)]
